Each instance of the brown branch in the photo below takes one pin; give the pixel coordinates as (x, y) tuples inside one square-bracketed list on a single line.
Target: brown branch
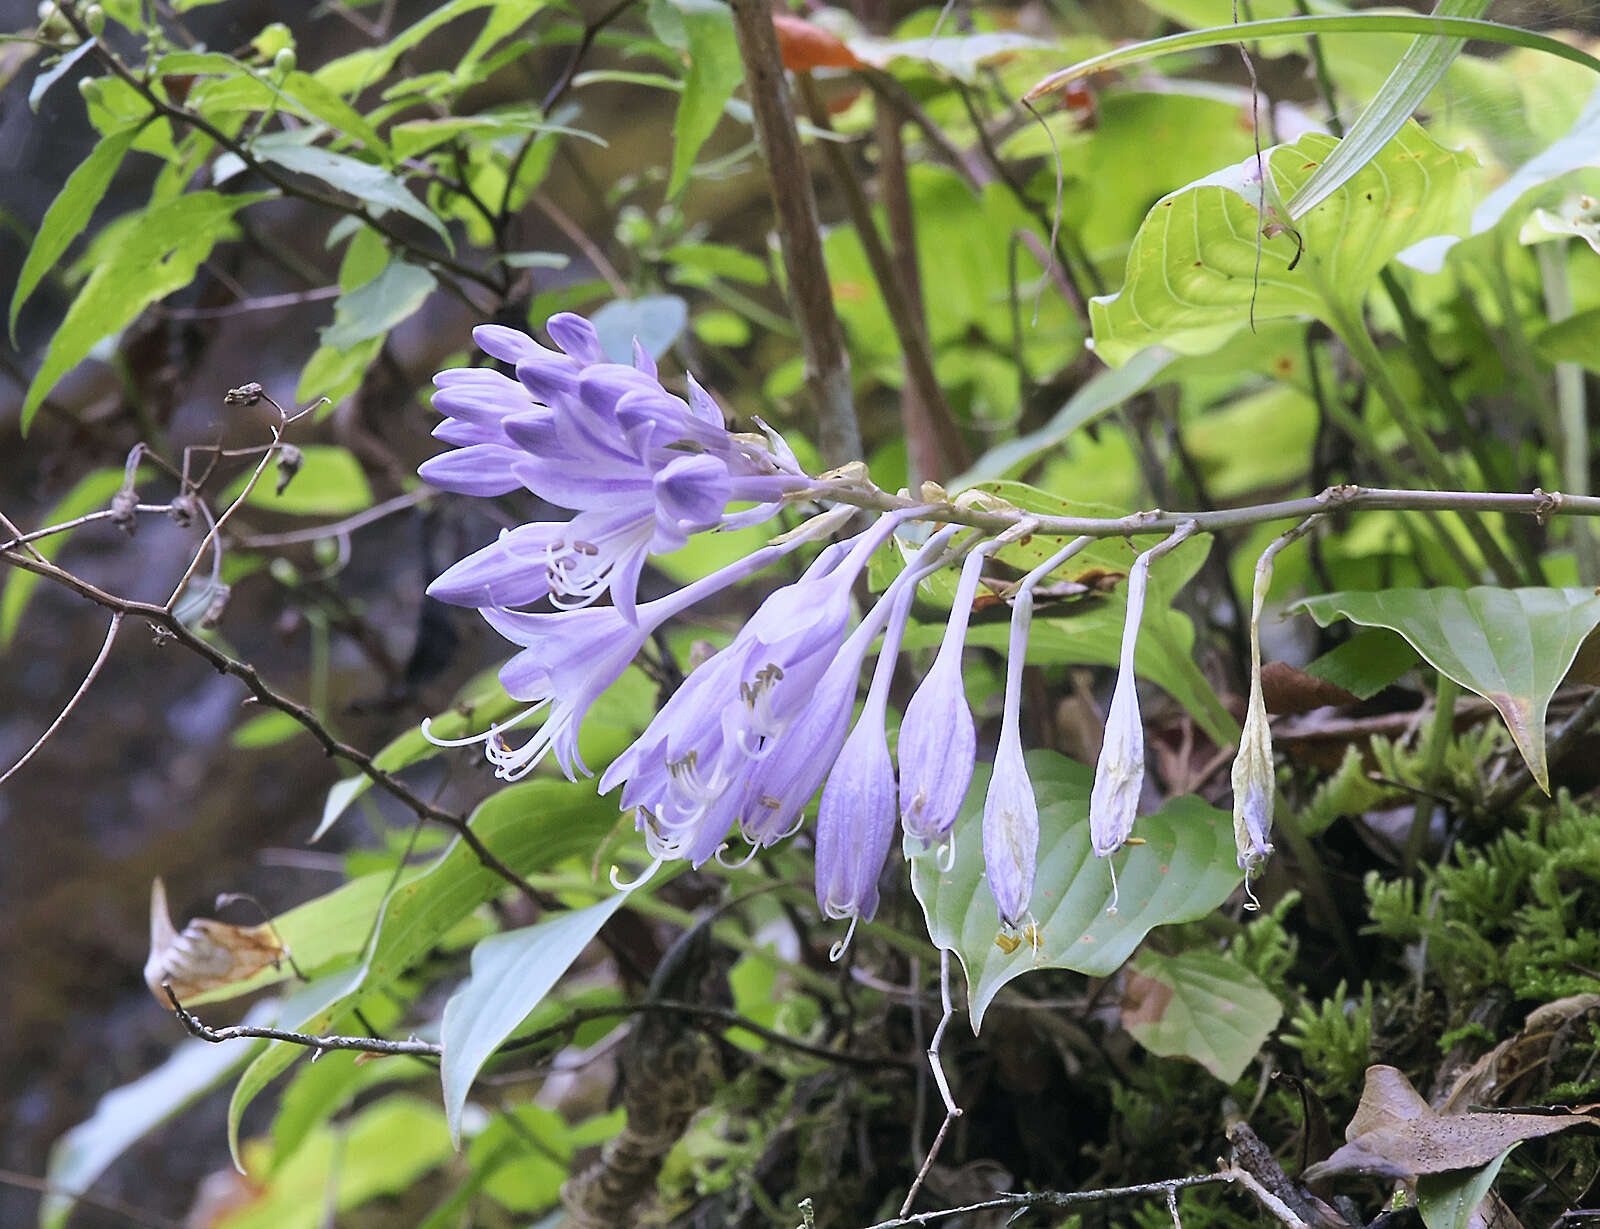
[(799, 233), (168, 624)]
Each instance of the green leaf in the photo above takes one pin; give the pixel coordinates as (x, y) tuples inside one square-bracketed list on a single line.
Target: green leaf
[(1366, 663), (511, 974), (962, 56), (265, 730), (68, 215), (1578, 149), (330, 482), (1316, 25), (1572, 340), (1185, 869), (1201, 1006), (1102, 392), (92, 492), (363, 180), (318, 101), (714, 73), (720, 260), (382, 1150), (1197, 265), (351, 73), (127, 1114), (376, 306), (1419, 70), (1448, 1200), (155, 255), (1510, 646), (657, 320), (530, 827)]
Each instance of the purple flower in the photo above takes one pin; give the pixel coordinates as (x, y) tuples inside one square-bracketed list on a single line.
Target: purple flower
[(642, 469), (938, 743)]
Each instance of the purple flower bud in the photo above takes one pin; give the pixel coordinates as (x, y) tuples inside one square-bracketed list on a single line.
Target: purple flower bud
[(1010, 811), (938, 742)]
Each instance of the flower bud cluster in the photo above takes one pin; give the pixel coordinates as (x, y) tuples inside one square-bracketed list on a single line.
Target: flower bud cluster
[(746, 742)]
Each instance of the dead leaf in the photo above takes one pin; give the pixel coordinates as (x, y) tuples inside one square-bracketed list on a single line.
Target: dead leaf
[(1486, 1080), (1291, 692), (804, 46), (205, 954), (1395, 1134)]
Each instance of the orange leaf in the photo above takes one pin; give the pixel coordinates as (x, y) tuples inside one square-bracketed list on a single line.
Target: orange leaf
[(805, 46)]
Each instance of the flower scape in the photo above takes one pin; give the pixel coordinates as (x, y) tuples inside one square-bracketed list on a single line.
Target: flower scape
[(746, 742)]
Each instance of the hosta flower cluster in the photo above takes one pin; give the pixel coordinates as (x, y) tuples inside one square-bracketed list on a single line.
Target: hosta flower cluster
[(739, 751)]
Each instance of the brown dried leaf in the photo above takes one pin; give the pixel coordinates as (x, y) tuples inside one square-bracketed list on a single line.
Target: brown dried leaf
[(1394, 1133), (1486, 1080), (1291, 692), (205, 954)]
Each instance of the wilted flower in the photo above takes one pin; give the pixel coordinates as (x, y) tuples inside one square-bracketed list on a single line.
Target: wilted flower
[(1253, 784)]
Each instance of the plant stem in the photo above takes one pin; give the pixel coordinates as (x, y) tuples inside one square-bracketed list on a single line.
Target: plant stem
[(1445, 696), (799, 233), (1571, 407)]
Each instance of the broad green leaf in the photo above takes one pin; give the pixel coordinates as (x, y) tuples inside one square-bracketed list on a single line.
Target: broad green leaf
[(657, 320), (1366, 663), (381, 1151), (376, 306), (1577, 150), (530, 827), (720, 260), (714, 73), (363, 180), (127, 1114), (1419, 70), (1448, 1200), (511, 974), (1510, 646), (330, 482), (155, 255), (416, 137), (1102, 392), (92, 492), (351, 73), (1197, 264), (318, 101), (1185, 869), (1574, 340), (1201, 1006), (319, 1090), (68, 215)]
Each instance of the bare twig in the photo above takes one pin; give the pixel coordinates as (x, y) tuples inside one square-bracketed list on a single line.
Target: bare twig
[(261, 303), (952, 1111), (368, 1045), (339, 528), (83, 687), (167, 623), (799, 232)]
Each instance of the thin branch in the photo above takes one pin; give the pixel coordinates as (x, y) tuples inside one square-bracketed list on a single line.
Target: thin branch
[(952, 1111), (167, 623), (339, 528), (261, 303), (133, 1215), (83, 687), (1069, 1199), (368, 1045), (101, 514), (827, 363)]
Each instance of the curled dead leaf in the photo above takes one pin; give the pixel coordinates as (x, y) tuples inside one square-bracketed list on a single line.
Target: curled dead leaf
[(205, 954), (1395, 1134)]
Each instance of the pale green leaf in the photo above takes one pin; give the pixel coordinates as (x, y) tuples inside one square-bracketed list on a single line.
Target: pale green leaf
[(366, 181), (511, 974), (1201, 1006), (1510, 646), (714, 73), (330, 482), (1448, 1200), (376, 306), (657, 320), (68, 215), (1419, 70), (1185, 869), (155, 255), (265, 730), (530, 827), (127, 1114), (1198, 264)]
